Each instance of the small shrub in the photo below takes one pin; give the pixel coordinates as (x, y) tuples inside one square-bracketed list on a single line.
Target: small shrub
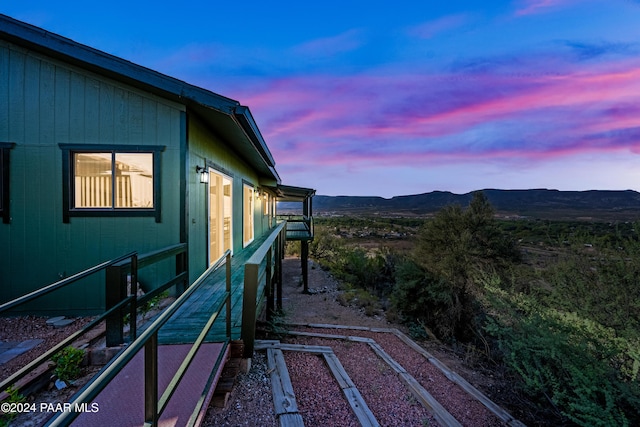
[(68, 362), (360, 298), (14, 397), (292, 248)]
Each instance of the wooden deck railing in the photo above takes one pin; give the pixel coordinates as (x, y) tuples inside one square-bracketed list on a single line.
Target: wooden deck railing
[(148, 340), (270, 254)]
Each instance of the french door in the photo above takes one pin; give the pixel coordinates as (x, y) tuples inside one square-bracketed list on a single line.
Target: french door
[(220, 218)]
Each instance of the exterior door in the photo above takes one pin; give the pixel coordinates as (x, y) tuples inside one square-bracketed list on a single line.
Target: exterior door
[(220, 204)]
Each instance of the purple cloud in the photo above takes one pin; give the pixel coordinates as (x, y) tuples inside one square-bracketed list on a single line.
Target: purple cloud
[(414, 117), (431, 29), (532, 7)]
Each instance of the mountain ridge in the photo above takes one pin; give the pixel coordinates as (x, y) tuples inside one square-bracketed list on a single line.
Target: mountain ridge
[(539, 203)]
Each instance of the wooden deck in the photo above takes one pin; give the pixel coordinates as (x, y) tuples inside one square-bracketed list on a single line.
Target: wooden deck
[(185, 325), (299, 230)]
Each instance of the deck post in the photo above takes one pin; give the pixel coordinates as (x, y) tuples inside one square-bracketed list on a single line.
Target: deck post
[(269, 284), (278, 275), (248, 333), (115, 291), (304, 249)]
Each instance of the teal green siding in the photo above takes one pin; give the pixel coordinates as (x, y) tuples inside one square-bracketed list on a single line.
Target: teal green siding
[(44, 103), (205, 147)]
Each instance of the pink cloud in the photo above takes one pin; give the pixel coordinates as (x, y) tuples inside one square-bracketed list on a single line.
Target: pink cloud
[(328, 46), (532, 7), (430, 29), (369, 120)]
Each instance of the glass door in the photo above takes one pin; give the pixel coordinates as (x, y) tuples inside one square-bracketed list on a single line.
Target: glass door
[(220, 224)]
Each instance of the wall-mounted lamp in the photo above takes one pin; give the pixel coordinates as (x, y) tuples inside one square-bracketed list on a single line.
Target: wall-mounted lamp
[(204, 174)]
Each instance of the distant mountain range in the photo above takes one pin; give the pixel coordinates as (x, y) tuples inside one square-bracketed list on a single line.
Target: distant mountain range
[(536, 203)]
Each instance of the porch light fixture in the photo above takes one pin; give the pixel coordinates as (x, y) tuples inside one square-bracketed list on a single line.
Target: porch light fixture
[(204, 174)]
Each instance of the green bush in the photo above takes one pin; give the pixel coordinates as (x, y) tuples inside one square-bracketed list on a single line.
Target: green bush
[(14, 397), (566, 362), (421, 296), (373, 271), (68, 362), (292, 248)]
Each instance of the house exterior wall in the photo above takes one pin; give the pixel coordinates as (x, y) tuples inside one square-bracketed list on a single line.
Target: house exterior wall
[(205, 148), (44, 103)]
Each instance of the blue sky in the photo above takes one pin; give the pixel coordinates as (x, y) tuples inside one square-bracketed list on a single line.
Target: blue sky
[(405, 97)]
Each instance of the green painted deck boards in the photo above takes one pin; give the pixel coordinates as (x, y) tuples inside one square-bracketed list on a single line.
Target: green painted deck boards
[(298, 231), (187, 323)]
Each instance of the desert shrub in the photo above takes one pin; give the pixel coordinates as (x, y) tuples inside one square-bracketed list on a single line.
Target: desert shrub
[(292, 248), (359, 297), (603, 287), (424, 297), (373, 271), (325, 245), (574, 365)]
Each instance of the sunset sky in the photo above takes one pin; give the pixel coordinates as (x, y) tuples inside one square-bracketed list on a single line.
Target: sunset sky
[(400, 97)]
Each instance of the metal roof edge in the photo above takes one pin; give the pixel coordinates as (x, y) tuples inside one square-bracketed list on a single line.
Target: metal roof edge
[(54, 45), (245, 118)]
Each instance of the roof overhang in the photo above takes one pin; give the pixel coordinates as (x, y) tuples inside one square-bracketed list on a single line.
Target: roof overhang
[(288, 193), (232, 122)]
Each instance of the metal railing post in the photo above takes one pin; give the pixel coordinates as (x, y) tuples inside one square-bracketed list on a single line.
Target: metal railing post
[(115, 291), (133, 307), (151, 381), (181, 267)]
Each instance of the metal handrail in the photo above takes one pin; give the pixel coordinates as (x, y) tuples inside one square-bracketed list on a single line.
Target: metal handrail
[(149, 340), (48, 289), (62, 344), (131, 267), (62, 283)]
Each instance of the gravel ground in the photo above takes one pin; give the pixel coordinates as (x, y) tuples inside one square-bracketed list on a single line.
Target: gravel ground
[(305, 369), (320, 400), (32, 327), (460, 404), (388, 398), (250, 403)]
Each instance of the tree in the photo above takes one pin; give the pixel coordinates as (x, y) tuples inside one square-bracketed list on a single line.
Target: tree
[(457, 243), (452, 250)]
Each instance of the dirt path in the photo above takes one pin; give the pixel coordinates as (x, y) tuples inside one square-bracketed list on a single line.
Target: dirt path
[(321, 305)]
